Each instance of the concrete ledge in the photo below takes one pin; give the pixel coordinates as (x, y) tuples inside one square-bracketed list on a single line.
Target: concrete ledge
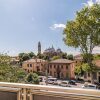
[(50, 91)]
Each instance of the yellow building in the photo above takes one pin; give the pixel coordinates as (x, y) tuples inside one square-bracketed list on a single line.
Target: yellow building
[(62, 68), (34, 65)]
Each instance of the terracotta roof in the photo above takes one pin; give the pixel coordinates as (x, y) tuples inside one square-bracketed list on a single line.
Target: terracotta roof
[(66, 61), (97, 62), (35, 60)]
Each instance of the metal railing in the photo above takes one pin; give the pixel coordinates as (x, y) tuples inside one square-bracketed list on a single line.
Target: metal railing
[(17, 91)]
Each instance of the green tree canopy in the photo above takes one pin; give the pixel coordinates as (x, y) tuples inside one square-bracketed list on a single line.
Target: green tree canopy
[(31, 54), (78, 70), (84, 31), (32, 78), (64, 55), (55, 57), (70, 57), (9, 73), (97, 57), (25, 56)]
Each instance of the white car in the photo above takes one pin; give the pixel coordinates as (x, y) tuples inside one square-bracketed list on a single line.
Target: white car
[(89, 86), (52, 80), (65, 84)]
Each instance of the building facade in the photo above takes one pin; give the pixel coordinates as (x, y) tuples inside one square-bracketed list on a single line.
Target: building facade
[(51, 51), (96, 74), (87, 76), (34, 65), (61, 69)]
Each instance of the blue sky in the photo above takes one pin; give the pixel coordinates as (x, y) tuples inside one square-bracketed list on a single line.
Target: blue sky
[(25, 22)]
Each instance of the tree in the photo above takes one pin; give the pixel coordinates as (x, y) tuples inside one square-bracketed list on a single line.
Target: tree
[(70, 57), (9, 73), (86, 67), (55, 57), (79, 71), (84, 32), (64, 55), (31, 54), (32, 78), (97, 57), (24, 57), (40, 56)]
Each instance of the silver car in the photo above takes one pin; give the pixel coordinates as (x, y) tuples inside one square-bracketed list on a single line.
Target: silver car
[(89, 86), (65, 84)]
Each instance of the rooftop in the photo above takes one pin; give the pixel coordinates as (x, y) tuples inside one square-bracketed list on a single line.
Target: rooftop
[(35, 60), (65, 61)]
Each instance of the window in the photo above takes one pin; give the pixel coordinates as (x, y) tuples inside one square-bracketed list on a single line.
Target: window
[(30, 65), (27, 65), (66, 66), (62, 66), (54, 66), (50, 66)]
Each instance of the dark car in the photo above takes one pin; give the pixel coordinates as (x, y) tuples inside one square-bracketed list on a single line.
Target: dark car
[(98, 85), (72, 82), (80, 80)]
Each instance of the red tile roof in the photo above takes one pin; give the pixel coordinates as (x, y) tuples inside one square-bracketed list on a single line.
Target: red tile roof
[(66, 61)]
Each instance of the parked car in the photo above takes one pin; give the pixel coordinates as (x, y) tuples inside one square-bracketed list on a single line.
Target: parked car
[(98, 84), (80, 80), (52, 80), (89, 86), (65, 84), (72, 82), (42, 78), (57, 82)]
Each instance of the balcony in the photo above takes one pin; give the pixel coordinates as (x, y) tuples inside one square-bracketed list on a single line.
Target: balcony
[(17, 91)]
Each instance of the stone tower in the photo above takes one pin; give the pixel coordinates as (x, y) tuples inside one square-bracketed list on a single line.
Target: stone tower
[(39, 48)]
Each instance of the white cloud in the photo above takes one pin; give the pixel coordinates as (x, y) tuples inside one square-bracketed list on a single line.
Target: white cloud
[(57, 26), (89, 3), (98, 1)]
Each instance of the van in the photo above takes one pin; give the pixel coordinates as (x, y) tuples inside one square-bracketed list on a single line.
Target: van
[(52, 80)]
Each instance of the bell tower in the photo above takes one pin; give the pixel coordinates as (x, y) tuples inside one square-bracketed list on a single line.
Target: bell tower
[(39, 47)]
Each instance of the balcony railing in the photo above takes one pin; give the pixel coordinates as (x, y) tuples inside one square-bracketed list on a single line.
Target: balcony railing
[(17, 91)]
